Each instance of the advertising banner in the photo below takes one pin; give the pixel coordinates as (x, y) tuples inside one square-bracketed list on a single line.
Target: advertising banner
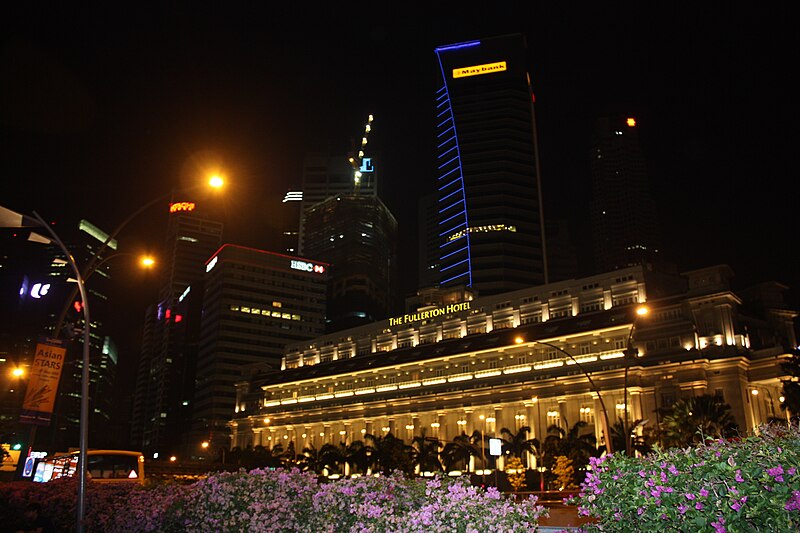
[(40, 397)]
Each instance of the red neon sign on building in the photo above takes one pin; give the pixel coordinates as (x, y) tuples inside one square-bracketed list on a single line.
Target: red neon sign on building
[(181, 206)]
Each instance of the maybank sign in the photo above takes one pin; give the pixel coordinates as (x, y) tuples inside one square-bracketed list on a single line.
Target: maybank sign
[(477, 70), (433, 313)]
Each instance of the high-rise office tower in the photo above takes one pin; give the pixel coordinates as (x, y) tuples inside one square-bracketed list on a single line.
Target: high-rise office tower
[(489, 212), (165, 378), (255, 303), (623, 214), (357, 235), (325, 176)]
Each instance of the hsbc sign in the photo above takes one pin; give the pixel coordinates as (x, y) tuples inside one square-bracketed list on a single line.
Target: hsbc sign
[(307, 267)]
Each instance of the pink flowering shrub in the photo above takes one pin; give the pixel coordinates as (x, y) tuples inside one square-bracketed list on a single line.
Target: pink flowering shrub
[(261, 500), (280, 501), (364, 504), (109, 508), (750, 484), (459, 507), (397, 504)]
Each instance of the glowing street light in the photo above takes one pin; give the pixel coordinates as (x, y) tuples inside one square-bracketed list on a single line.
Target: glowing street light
[(10, 218), (630, 353), (18, 372)]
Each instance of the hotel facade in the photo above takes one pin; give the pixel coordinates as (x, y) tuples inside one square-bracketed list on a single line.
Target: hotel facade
[(523, 358)]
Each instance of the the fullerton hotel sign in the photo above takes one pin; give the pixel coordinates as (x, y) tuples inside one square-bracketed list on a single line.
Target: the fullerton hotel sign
[(432, 313)]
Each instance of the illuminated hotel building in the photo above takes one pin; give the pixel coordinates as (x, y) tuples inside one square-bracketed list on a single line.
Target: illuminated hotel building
[(518, 359), (623, 214), (165, 379), (255, 303), (490, 225)]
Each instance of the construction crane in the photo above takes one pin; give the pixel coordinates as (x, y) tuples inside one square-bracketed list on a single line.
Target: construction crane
[(357, 160)]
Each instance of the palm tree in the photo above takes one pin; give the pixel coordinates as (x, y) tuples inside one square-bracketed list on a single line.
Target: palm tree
[(361, 455), (639, 443), (309, 460), (427, 453), (577, 444), (332, 457), (393, 454), (457, 453), (690, 421), (516, 444)]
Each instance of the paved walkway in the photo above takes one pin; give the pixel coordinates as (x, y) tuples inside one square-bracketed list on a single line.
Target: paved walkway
[(562, 518)]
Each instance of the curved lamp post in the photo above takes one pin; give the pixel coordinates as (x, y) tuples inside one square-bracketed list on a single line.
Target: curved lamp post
[(10, 218), (606, 427), (630, 354), (84, 426), (97, 259)]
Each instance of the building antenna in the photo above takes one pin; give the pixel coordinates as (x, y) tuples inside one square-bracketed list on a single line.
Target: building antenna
[(358, 162)]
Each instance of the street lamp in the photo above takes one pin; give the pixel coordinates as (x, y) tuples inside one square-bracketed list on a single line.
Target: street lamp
[(606, 426), (9, 218), (630, 354), (215, 182)]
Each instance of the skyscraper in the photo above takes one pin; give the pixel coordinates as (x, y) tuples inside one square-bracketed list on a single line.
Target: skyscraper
[(165, 378), (325, 176), (357, 235), (623, 214), (489, 209), (255, 302)]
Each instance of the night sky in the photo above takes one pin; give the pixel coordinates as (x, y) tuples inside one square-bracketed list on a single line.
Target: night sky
[(104, 109)]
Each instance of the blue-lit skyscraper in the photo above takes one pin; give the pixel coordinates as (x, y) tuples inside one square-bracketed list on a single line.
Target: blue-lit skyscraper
[(489, 209)]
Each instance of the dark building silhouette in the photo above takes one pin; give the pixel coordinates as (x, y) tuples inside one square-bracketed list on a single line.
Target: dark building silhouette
[(562, 257), (326, 175), (490, 225), (165, 380), (623, 214), (428, 241), (357, 235)]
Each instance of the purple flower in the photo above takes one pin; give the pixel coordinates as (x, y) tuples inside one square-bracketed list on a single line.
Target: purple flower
[(698, 506), (703, 493), (690, 496), (683, 508), (777, 473), (738, 477), (719, 525), (674, 471), (794, 502)]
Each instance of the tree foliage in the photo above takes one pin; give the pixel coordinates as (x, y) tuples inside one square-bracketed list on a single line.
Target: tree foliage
[(690, 421)]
